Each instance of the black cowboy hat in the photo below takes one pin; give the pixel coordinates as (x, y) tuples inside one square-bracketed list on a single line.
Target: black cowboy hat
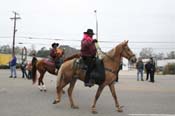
[(89, 32), (55, 44)]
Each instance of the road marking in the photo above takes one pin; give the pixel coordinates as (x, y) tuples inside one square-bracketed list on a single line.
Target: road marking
[(151, 114)]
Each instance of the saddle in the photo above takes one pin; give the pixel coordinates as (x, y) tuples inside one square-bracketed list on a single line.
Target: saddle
[(98, 72), (57, 63)]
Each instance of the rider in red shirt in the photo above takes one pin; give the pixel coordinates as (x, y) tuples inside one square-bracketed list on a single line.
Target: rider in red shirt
[(88, 53), (53, 51), (54, 55)]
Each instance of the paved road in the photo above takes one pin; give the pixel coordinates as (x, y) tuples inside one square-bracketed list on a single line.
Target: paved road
[(18, 97)]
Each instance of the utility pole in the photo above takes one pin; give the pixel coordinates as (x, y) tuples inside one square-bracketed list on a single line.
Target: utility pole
[(99, 51), (14, 30), (95, 11)]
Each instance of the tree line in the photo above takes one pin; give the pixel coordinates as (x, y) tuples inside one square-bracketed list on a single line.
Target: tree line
[(44, 52)]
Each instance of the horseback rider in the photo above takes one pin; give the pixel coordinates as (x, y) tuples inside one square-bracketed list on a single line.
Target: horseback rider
[(54, 55), (53, 51), (88, 53)]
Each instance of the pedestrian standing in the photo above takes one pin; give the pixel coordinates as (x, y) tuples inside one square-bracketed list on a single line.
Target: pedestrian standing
[(147, 70), (23, 69), (150, 69), (12, 65), (140, 68), (34, 61)]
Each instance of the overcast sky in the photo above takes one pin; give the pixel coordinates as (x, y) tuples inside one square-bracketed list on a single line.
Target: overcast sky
[(138, 21)]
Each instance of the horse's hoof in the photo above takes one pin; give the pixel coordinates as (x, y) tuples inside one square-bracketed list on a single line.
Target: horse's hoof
[(119, 109), (94, 111), (41, 90), (74, 107), (55, 101), (45, 90)]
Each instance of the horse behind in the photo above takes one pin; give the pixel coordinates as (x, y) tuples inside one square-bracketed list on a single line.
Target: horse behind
[(43, 66), (68, 74)]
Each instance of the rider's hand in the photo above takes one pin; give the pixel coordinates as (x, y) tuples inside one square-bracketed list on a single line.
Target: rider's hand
[(95, 41)]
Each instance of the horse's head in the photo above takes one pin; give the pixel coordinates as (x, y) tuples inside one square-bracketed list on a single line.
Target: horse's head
[(126, 52)]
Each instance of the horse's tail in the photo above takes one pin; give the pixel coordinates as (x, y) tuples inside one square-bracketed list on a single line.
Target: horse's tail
[(72, 57), (34, 74)]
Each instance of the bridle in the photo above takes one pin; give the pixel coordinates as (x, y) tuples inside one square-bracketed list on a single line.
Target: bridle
[(131, 56), (111, 58)]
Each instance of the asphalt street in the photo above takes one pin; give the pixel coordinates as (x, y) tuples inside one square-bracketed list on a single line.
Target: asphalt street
[(18, 97)]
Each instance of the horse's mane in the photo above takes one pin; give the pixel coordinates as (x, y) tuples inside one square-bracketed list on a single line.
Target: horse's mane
[(114, 51), (72, 57)]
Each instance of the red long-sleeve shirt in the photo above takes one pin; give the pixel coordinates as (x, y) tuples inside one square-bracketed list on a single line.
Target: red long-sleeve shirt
[(88, 46)]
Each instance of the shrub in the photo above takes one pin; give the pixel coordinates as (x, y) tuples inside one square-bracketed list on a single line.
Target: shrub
[(169, 68), (4, 66), (7, 66)]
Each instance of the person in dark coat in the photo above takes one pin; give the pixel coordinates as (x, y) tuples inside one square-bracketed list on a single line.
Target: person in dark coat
[(34, 61), (150, 70), (88, 53), (23, 69)]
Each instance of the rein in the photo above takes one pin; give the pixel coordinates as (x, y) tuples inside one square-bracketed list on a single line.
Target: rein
[(111, 58)]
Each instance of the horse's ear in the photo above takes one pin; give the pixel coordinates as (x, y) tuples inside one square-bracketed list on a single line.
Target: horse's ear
[(125, 42)]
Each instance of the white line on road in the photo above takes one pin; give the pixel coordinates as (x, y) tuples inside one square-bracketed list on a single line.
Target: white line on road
[(151, 114)]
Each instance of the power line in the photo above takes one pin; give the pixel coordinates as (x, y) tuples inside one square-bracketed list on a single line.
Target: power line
[(102, 41), (99, 41), (78, 46)]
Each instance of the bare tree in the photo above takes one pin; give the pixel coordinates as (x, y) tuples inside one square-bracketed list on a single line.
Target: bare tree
[(146, 53), (171, 55), (160, 56), (6, 49)]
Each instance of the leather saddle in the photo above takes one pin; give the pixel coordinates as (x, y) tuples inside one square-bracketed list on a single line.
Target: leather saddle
[(98, 72), (57, 63)]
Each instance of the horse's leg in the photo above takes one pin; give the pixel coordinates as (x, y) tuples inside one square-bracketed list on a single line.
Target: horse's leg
[(100, 88), (112, 89), (40, 81), (70, 89), (59, 90), (43, 85)]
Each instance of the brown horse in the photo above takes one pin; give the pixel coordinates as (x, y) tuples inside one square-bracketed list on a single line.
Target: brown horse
[(44, 65), (68, 74)]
